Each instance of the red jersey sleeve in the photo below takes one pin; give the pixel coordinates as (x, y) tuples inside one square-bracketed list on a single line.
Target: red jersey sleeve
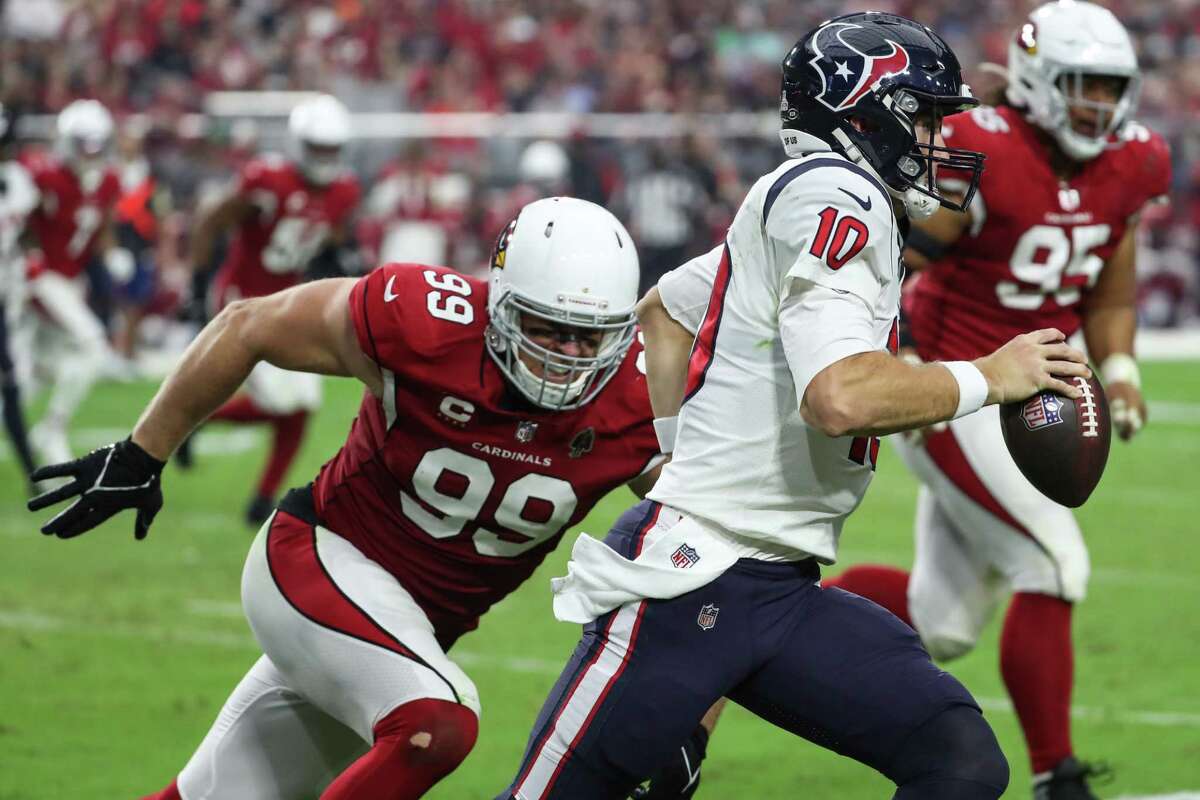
[(405, 314), (1148, 160)]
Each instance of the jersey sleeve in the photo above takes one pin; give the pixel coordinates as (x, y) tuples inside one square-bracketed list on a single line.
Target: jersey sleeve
[(835, 228), (1150, 164), (819, 326), (685, 290), (379, 309)]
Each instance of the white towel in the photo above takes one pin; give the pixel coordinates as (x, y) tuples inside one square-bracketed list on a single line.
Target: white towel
[(675, 560)]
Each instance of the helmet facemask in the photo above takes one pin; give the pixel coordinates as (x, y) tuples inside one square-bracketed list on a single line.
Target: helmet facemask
[(890, 143), (565, 382), (1069, 92), (321, 164)]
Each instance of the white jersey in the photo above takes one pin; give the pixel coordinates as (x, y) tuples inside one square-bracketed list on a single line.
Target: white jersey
[(809, 274), (18, 198)]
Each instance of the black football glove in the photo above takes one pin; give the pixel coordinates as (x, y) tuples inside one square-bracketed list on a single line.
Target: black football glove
[(107, 480), (679, 777)]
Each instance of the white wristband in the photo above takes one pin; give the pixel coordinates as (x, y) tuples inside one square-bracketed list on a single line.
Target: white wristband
[(664, 429), (1121, 368), (972, 387)]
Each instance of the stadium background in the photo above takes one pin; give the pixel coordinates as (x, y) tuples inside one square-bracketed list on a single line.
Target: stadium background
[(115, 658)]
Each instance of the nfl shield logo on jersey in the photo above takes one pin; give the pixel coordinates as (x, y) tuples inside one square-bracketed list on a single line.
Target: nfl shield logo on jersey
[(525, 431), (708, 617), (684, 556), (1042, 410)]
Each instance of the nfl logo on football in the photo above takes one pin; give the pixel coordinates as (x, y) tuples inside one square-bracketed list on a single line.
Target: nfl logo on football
[(684, 556), (1042, 410), (708, 617)]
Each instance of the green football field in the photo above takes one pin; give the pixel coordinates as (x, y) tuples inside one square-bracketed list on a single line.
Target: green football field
[(115, 655)]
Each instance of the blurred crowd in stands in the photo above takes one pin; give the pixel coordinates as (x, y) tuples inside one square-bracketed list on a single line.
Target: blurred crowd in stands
[(154, 61)]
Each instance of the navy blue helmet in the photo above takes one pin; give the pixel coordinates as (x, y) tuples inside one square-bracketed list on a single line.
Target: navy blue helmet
[(859, 83)]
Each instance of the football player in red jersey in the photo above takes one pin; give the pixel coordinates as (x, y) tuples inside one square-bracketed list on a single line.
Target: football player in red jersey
[(77, 192), (281, 212), (1048, 241), (496, 415)]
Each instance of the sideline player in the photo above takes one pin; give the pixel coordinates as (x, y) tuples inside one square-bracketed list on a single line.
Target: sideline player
[(497, 415), (1048, 241), (282, 212), (18, 197), (710, 587), (77, 190)]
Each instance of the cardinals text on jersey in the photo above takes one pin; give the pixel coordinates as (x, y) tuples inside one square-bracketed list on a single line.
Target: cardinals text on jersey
[(815, 241), (294, 220), (447, 481), (1035, 244)]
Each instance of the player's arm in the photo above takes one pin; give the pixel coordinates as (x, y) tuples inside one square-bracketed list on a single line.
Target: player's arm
[(229, 212), (1109, 325), (307, 328), (929, 239)]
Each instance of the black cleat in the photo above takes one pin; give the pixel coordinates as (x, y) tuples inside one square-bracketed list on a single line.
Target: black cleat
[(1069, 780), (259, 509)]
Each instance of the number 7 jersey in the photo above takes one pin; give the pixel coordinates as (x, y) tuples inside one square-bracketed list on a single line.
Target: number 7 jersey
[(1035, 244), (448, 482)]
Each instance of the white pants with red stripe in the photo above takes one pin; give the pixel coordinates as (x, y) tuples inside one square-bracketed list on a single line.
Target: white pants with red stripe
[(66, 340), (344, 645), (982, 530)]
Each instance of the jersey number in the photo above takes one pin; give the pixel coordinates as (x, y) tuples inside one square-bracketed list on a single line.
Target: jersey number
[(456, 486), (294, 242), (848, 235), (1047, 258), (87, 220), (448, 300)]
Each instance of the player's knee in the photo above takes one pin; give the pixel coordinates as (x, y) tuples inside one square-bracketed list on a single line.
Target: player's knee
[(947, 646), (433, 735), (953, 755)]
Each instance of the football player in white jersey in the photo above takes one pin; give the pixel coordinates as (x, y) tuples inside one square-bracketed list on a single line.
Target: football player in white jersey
[(710, 587), (18, 197)]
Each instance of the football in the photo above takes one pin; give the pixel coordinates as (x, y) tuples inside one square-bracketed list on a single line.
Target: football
[(1060, 445)]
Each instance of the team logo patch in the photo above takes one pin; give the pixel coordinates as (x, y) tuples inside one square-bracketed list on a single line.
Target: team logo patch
[(1041, 411), (850, 74), (708, 617), (684, 556), (583, 442), (526, 431), (501, 251)]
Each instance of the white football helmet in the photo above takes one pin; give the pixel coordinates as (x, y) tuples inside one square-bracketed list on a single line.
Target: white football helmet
[(544, 163), (84, 137), (318, 129), (1053, 51), (570, 262)]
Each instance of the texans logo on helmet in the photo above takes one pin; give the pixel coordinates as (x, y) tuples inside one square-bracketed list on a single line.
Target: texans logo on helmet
[(847, 72)]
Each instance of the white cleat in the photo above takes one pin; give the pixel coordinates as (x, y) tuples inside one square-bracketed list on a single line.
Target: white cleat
[(51, 443)]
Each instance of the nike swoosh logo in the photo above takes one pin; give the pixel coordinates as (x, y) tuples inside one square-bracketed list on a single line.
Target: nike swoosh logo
[(866, 204), (387, 290)]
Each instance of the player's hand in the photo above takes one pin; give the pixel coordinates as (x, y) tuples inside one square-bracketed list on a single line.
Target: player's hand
[(679, 777), (1128, 409), (1031, 362), (106, 481)]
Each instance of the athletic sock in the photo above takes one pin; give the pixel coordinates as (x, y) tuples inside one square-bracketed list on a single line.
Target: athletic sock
[(169, 793), (1037, 663), (885, 586), (241, 409), (288, 433), (416, 745)]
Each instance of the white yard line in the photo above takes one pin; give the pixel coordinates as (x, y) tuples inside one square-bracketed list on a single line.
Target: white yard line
[(37, 622)]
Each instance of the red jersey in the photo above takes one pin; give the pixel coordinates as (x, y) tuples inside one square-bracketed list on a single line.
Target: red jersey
[(1036, 244), (69, 216), (294, 220), (452, 485)]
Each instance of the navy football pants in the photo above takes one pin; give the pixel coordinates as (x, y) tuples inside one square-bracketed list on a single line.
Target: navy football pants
[(824, 664)]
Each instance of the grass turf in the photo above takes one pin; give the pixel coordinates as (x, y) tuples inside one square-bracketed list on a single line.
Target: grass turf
[(115, 656)]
